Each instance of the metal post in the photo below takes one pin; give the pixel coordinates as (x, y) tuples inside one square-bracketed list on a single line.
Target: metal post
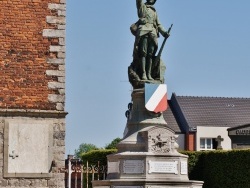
[(69, 173), (104, 177), (81, 176), (93, 172), (87, 174), (76, 174), (98, 168)]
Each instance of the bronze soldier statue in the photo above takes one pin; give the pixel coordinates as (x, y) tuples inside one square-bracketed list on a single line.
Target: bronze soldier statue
[(146, 31)]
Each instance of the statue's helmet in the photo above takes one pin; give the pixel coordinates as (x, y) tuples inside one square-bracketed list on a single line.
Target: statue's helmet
[(151, 1)]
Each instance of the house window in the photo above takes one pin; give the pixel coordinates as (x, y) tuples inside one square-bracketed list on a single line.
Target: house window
[(208, 143)]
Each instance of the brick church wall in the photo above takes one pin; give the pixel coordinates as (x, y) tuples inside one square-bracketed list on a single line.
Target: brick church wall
[(32, 79), (32, 51)]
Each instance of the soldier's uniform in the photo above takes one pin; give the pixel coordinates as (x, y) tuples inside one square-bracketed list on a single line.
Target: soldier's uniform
[(148, 29)]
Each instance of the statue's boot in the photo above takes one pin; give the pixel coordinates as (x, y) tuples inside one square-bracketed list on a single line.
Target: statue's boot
[(149, 69), (143, 63)]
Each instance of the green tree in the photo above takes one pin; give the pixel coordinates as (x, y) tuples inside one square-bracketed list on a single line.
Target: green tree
[(113, 144), (84, 148)]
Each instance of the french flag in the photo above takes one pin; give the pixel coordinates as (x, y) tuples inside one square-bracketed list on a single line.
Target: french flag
[(156, 97)]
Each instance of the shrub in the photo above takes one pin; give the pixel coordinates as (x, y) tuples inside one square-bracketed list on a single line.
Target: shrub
[(220, 169), (97, 155)]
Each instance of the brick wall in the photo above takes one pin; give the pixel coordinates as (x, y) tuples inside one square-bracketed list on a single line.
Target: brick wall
[(190, 140), (32, 79), (32, 53)]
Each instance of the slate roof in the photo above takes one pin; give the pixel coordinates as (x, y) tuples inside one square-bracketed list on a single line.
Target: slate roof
[(211, 111), (170, 119), (239, 127)]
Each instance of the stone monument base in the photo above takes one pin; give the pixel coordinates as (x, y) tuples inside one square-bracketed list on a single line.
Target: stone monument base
[(148, 159), (147, 156), (128, 183)]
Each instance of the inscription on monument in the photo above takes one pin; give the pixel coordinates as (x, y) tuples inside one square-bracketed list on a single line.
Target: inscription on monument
[(163, 167), (113, 167), (184, 167), (166, 187), (133, 167), (127, 187)]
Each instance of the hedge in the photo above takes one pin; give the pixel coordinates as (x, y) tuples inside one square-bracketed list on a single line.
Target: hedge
[(218, 169), (93, 157), (97, 155)]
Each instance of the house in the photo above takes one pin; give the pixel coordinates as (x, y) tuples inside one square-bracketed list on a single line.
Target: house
[(202, 123), (240, 136), (171, 120)]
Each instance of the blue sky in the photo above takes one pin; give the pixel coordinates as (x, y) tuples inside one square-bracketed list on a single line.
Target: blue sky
[(208, 54)]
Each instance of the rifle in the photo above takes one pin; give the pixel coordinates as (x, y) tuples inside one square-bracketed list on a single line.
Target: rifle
[(158, 57), (157, 60)]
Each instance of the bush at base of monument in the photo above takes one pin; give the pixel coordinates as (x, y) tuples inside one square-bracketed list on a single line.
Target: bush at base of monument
[(95, 156), (220, 169)]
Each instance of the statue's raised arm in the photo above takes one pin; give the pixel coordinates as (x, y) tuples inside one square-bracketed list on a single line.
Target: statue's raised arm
[(146, 31), (139, 3)]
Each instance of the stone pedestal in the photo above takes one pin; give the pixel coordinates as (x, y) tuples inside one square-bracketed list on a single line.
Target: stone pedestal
[(147, 156)]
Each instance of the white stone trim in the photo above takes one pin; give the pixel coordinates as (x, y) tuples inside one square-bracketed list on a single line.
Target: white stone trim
[(54, 6), (57, 48), (56, 61), (60, 49), (56, 98), (61, 55), (56, 19), (53, 33), (56, 85), (55, 73), (61, 79)]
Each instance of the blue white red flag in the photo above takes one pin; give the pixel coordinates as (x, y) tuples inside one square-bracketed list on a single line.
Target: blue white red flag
[(156, 97)]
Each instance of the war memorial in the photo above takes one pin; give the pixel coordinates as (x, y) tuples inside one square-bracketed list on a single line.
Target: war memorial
[(147, 156)]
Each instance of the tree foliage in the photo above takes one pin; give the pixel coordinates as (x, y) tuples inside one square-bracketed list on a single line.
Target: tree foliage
[(87, 147), (84, 148), (113, 144)]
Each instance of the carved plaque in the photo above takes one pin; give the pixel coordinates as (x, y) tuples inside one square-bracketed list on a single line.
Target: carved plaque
[(27, 149), (184, 167), (133, 167), (165, 187), (113, 167), (159, 141), (163, 167), (128, 187)]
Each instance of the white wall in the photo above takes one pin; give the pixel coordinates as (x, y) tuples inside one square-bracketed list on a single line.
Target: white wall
[(213, 132), (181, 141)]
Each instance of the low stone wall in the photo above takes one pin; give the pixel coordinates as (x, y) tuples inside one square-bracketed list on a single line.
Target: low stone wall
[(54, 133)]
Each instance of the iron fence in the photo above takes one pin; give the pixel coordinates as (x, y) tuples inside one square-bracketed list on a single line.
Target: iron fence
[(78, 175)]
